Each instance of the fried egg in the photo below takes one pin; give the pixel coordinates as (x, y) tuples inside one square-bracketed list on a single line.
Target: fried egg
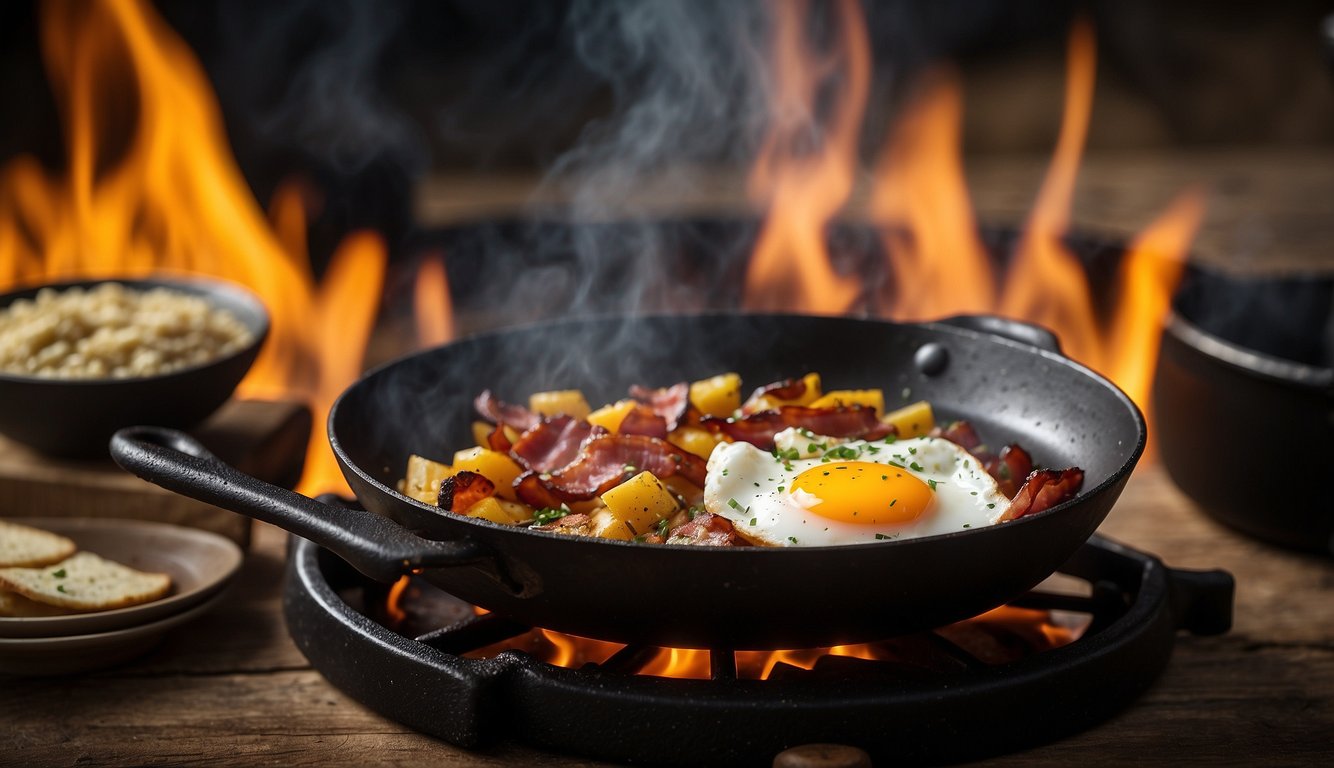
[(818, 491)]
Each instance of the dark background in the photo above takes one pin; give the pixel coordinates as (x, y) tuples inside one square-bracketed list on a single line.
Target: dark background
[(366, 99)]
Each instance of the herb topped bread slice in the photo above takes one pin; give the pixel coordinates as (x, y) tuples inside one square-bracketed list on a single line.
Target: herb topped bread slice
[(86, 582), (25, 547), (14, 605)]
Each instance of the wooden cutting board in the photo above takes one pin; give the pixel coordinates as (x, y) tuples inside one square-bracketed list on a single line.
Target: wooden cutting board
[(261, 438)]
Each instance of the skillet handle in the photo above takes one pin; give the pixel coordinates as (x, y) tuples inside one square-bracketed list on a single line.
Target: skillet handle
[(374, 545), (1014, 330)]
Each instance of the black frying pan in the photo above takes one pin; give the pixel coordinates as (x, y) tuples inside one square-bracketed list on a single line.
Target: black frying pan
[(1009, 379)]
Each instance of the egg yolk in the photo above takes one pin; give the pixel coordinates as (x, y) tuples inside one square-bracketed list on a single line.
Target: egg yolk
[(864, 492)]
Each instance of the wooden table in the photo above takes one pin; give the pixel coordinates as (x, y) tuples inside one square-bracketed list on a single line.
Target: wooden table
[(231, 688)]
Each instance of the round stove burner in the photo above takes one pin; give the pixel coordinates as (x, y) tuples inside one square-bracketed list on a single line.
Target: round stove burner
[(895, 712)]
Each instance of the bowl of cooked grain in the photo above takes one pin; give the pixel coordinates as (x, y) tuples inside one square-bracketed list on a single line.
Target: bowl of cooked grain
[(81, 359)]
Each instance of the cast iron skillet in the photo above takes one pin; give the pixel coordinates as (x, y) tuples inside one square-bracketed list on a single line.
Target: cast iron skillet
[(1009, 379)]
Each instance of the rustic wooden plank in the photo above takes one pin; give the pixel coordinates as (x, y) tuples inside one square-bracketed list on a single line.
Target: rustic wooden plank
[(264, 438), (232, 689)]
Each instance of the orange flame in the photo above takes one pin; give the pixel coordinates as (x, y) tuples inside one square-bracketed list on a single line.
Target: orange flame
[(161, 191), (431, 303), (937, 264), (1015, 631), (805, 174)]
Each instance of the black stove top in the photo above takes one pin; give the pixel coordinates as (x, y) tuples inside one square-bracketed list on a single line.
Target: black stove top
[(956, 706)]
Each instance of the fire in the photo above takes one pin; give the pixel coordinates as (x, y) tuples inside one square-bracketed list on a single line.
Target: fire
[(169, 197), (431, 302), (996, 637), (806, 171), (936, 262)]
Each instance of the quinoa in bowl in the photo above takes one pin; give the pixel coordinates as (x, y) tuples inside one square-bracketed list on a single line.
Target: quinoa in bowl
[(113, 331)]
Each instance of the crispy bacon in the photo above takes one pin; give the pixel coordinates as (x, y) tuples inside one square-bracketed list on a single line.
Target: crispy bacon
[(1008, 468), (1012, 464), (463, 489), (553, 442), (787, 389), (605, 462), (641, 420), (670, 403), (759, 429), (707, 530), (1042, 490), (498, 440), (512, 415)]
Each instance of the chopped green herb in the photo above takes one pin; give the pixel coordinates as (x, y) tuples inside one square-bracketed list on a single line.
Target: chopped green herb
[(932, 484), (896, 464), (781, 488), (882, 536), (792, 539), (734, 504), (548, 514), (753, 519), (915, 467), (725, 473), (60, 574), (662, 527), (967, 525), (890, 438), (991, 506), (61, 588), (892, 503), (884, 477), (913, 451)]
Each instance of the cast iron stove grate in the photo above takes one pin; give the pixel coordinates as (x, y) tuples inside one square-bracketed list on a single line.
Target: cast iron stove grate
[(897, 712)]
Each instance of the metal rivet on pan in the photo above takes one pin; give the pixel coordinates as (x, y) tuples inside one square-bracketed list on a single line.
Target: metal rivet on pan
[(931, 359)]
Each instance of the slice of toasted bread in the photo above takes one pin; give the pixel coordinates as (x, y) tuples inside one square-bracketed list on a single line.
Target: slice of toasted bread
[(13, 605), (25, 547), (86, 582)]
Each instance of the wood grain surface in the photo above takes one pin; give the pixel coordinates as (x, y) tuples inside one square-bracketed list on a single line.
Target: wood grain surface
[(232, 689)]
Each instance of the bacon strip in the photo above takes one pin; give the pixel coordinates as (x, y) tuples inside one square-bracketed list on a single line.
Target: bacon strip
[(670, 403), (759, 429), (1044, 489), (707, 530), (553, 443), (498, 440), (1012, 464), (641, 420), (499, 412), (606, 462), (787, 389), (462, 490)]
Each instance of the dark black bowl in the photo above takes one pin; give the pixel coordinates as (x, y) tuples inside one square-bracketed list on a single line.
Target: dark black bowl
[(1244, 403), (76, 417)]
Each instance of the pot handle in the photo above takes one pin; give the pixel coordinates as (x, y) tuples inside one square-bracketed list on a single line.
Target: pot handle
[(374, 545), (1014, 330)]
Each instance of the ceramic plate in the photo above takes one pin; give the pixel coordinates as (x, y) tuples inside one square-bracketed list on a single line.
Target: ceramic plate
[(40, 656), (200, 565)]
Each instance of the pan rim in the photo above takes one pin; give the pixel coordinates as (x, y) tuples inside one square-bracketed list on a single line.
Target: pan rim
[(1118, 476)]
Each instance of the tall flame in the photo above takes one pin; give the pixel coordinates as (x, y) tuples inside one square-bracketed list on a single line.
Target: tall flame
[(169, 196), (936, 261), (806, 169)]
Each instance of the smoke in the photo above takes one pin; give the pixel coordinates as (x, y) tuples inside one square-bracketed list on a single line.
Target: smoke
[(314, 69)]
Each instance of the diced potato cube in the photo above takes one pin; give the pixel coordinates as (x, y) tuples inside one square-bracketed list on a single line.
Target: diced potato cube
[(422, 480), (717, 396), (637, 505), (500, 511), (609, 417), (913, 420), (481, 433), (695, 440), (867, 398), (493, 465), (605, 525), (570, 402)]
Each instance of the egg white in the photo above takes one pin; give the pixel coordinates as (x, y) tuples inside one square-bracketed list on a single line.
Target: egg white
[(752, 488)]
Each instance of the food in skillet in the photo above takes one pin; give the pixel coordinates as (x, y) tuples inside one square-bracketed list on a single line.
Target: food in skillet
[(692, 464)]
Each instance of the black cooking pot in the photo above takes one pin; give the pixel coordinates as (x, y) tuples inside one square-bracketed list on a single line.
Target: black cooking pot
[(1244, 399), (1009, 379)]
